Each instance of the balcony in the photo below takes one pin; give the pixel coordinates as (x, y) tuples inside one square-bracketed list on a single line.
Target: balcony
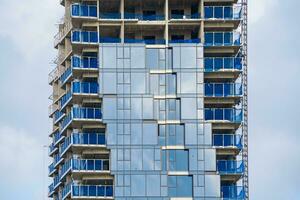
[(52, 149), (186, 41), (219, 39), (81, 114), (87, 37), (57, 160), (50, 190), (222, 12), (85, 166), (222, 64), (233, 192), (84, 10), (51, 169), (231, 115), (143, 17), (57, 138), (223, 90), (227, 141), (110, 16), (87, 191), (58, 115), (56, 182), (53, 75), (79, 88), (230, 167), (79, 63), (145, 41), (83, 139)]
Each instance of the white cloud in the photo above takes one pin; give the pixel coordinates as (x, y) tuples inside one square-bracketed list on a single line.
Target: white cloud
[(23, 164)]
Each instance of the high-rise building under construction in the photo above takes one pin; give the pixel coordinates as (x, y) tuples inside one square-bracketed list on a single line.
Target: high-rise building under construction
[(150, 101)]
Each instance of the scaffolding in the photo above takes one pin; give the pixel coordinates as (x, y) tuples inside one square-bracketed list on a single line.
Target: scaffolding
[(245, 97)]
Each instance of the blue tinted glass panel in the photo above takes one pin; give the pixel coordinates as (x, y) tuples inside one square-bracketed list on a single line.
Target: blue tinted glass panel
[(209, 13), (209, 89), (209, 38), (208, 64), (218, 38), (228, 63), (218, 63), (218, 114), (75, 10), (84, 9), (228, 12), (227, 38), (219, 89), (209, 114), (218, 12), (93, 11)]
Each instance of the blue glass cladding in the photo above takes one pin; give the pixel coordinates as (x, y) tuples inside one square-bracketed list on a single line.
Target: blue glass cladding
[(177, 160), (233, 192), (180, 186), (86, 113), (84, 10)]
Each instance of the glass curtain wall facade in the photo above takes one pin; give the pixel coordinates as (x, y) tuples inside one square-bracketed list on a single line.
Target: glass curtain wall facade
[(149, 101)]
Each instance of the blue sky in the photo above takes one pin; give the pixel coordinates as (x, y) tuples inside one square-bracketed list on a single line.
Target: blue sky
[(26, 46)]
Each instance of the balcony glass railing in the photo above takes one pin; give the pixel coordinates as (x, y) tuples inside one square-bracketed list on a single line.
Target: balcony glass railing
[(58, 116), (57, 137), (233, 192), (56, 181), (65, 99), (222, 39), (83, 10), (109, 40), (66, 191), (145, 41), (57, 159), (214, 64), (137, 16), (223, 89), (84, 165), (51, 148), (224, 114), (51, 168), (85, 87), (196, 40), (227, 140), (85, 36), (80, 113), (222, 12), (187, 16), (50, 189), (84, 62), (230, 167), (66, 75), (92, 191), (110, 16), (82, 139)]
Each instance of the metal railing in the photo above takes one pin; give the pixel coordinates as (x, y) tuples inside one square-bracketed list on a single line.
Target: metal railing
[(224, 114), (85, 87), (223, 89), (67, 27), (84, 62), (53, 75), (213, 64)]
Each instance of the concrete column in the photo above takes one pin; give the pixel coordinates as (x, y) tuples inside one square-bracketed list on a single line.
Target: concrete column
[(167, 21)]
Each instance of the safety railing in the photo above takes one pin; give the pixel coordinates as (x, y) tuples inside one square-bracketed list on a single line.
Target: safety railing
[(82, 139), (80, 113), (144, 17), (222, 39), (51, 148), (50, 189), (83, 10), (227, 140), (110, 15), (233, 192), (222, 12), (53, 75), (223, 89), (57, 160), (230, 167), (189, 41), (65, 99), (224, 114), (85, 87), (56, 181), (52, 108), (215, 64), (85, 62), (84, 37), (66, 75), (51, 168), (92, 190), (109, 40), (185, 16), (58, 115), (145, 41), (65, 28)]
